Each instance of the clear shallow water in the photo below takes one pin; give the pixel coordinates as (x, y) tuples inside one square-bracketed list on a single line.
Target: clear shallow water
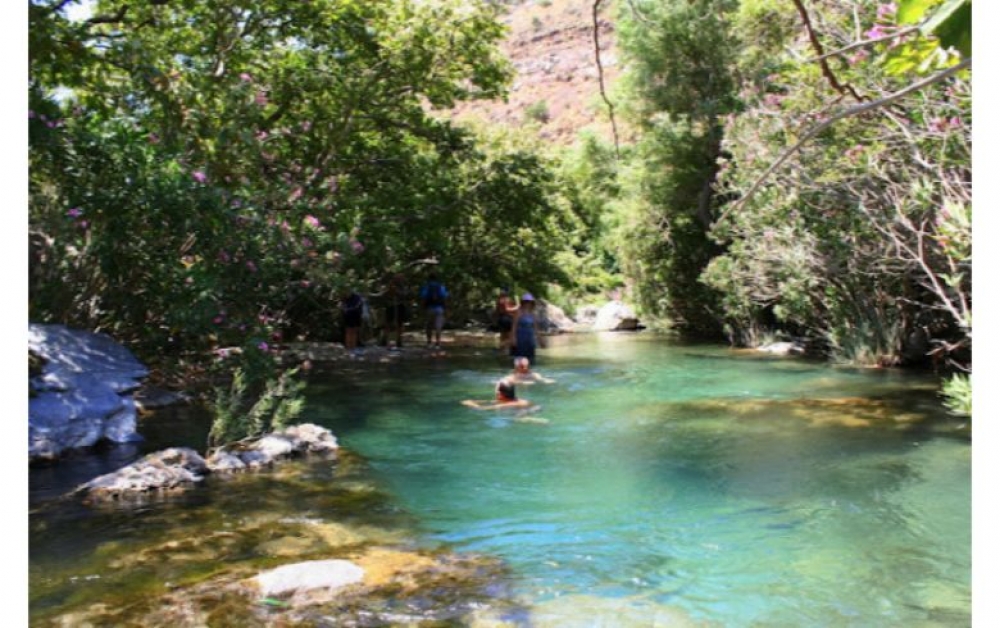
[(692, 478), (671, 483)]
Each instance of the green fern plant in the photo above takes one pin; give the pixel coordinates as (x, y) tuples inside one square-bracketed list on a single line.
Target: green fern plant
[(957, 393), (254, 404)]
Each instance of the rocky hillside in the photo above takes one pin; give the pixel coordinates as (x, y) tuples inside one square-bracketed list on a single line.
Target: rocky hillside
[(556, 88)]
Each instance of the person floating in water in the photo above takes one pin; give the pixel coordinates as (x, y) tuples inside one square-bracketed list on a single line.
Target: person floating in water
[(523, 374), (505, 397), (526, 336)]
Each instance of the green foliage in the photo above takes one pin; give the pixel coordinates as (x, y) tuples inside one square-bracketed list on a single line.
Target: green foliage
[(537, 111), (946, 29), (215, 171), (950, 22), (859, 242), (681, 60), (259, 399), (957, 393)]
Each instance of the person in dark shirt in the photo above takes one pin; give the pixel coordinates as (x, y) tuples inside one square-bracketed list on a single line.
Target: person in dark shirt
[(351, 307)]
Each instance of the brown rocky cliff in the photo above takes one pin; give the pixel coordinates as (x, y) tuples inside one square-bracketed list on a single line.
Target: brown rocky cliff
[(556, 87)]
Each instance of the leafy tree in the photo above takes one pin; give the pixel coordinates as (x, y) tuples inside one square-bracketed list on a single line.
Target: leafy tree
[(680, 83)]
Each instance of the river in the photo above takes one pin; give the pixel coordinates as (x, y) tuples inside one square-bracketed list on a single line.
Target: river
[(658, 481)]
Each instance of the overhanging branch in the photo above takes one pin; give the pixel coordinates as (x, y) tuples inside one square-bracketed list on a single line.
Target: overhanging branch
[(846, 113)]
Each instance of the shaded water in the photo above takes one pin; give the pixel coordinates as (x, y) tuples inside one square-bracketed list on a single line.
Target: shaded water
[(671, 482)]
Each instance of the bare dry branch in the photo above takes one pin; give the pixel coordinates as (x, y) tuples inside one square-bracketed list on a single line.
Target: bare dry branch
[(600, 76)]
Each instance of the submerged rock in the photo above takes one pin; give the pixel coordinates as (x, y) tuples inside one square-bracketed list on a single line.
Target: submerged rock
[(588, 610), (313, 574)]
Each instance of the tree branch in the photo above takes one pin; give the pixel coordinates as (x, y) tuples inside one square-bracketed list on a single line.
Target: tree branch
[(846, 113), (600, 77), (827, 72), (864, 44)]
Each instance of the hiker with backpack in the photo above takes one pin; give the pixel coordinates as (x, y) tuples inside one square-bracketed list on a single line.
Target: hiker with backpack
[(433, 296)]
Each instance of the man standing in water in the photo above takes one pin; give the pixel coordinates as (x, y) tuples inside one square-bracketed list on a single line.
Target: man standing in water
[(433, 296)]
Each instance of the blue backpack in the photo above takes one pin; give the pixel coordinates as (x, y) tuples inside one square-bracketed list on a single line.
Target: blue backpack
[(435, 295)]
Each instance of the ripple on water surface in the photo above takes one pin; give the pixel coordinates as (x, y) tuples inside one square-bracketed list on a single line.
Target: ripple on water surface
[(685, 483)]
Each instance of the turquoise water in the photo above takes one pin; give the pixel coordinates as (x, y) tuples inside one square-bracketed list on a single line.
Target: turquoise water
[(677, 481)]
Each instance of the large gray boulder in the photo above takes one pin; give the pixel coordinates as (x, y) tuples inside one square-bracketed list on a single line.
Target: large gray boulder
[(615, 316), (83, 393), (551, 318)]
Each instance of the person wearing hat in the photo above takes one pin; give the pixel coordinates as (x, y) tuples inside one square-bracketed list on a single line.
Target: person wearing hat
[(525, 336), (503, 312)]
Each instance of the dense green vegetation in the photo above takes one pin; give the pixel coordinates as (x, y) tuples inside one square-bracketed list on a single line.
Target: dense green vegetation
[(222, 171), (802, 173), (208, 174)]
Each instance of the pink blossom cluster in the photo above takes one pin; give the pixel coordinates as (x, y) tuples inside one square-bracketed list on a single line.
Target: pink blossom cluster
[(944, 124)]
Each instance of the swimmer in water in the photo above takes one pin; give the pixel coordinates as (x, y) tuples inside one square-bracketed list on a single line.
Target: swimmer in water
[(523, 374), (505, 397)]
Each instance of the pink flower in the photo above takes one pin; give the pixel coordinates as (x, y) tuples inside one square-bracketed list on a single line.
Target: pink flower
[(312, 221), (773, 100), (31, 113), (887, 11), (858, 57), (306, 242), (262, 135), (83, 224), (955, 121), (251, 266), (285, 226), (261, 99), (357, 247), (877, 31), (153, 138), (224, 257), (199, 176), (76, 212), (218, 320), (246, 78), (296, 195), (305, 283), (263, 346), (306, 125)]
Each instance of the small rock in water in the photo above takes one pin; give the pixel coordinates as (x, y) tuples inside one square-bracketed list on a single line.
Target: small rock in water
[(315, 574)]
